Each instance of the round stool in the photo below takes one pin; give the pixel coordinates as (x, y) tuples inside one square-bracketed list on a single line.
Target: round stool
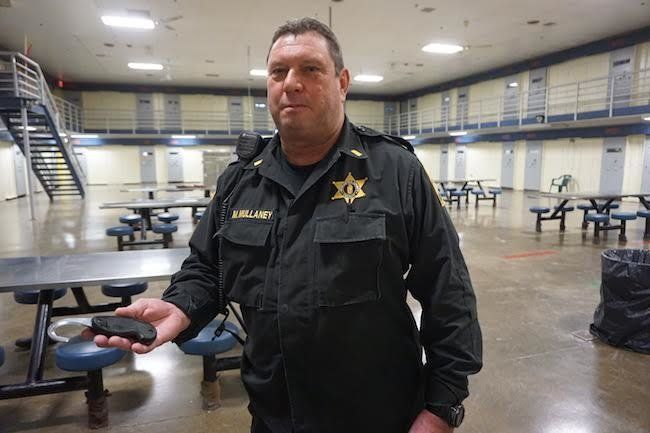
[(645, 214), (166, 230), (597, 219), (119, 232), (82, 355), (131, 219), (206, 345), (623, 217), (197, 216), (167, 217), (539, 210), (124, 290), (31, 296)]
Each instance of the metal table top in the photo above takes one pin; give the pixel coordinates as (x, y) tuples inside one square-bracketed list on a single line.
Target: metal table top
[(469, 179), (158, 203), (594, 195), (77, 270)]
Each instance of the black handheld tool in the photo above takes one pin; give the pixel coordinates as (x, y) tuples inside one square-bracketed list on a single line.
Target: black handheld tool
[(127, 327)]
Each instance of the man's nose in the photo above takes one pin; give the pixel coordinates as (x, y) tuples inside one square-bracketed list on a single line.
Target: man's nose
[(292, 82)]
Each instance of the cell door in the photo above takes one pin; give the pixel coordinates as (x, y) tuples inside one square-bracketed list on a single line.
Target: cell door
[(508, 165), (390, 118), (462, 106), (536, 93), (511, 98), (144, 112), (645, 182), (612, 167), (459, 166), (147, 164), (445, 109), (81, 159), (19, 165), (174, 165), (413, 116), (236, 113), (172, 113), (260, 115), (533, 171), (621, 69), (404, 117), (444, 161)]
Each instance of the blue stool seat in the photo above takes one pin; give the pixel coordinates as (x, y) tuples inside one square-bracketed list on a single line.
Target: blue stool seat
[(458, 193), (2, 356), (198, 215), (450, 189), (539, 209), (83, 355), (626, 216), (124, 289), (477, 191), (167, 217), (164, 228), (611, 205), (643, 213), (597, 217), (495, 191), (131, 219), (204, 345), (586, 206), (566, 208), (31, 296), (119, 231)]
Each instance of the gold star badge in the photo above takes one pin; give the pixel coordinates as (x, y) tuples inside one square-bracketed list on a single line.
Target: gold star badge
[(349, 189)]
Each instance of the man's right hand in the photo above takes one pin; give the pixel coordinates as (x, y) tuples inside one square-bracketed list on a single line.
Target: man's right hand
[(167, 318)]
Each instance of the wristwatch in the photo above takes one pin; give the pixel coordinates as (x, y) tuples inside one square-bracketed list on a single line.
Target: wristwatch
[(452, 413)]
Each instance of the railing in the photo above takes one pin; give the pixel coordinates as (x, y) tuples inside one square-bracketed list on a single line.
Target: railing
[(604, 97), (22, 77), (70, 115)]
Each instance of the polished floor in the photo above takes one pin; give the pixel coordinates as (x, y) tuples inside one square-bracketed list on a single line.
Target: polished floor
[(536, 293)]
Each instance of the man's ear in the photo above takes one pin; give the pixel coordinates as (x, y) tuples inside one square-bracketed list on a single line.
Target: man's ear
[(344, 83)]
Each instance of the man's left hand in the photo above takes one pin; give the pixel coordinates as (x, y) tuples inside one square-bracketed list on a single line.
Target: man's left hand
[(426, 422)]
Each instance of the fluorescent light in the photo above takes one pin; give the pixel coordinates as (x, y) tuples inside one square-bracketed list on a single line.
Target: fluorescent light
[(408, 137), (363, 78), (458, 133), (146, 66), (647, 119), (442, 48), (62, 134), (188, 137), (84, 136), (258, 72), (128, 22), (447, 98), (513, 84), (260, 105), (29, 128)]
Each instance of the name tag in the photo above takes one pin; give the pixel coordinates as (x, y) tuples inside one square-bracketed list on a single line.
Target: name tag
[(255, 214)]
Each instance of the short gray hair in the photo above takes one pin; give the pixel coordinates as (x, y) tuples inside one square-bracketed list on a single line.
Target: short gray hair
[(305, 25)]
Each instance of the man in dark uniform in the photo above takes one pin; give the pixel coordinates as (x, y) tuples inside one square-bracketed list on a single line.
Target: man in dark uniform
[(325, 231)]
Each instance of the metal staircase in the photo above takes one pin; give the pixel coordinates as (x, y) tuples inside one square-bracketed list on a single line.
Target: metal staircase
[(24, 95)]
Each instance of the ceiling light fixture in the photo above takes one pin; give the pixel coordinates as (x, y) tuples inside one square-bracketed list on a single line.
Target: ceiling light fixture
[(458, 133), (513, 84), (364, 78), (408, 137), (260, 105), (181, 137), (437, 48), (145, 66), (258, 72), (84, 136), (128, 22), (647, 118), (29, 128)]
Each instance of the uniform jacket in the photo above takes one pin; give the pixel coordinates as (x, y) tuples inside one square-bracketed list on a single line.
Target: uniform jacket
[(322, 274)]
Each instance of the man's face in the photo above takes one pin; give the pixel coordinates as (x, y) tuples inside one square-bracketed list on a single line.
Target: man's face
[(305, 96)]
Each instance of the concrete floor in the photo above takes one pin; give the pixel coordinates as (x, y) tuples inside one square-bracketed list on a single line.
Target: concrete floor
[(536, 295)]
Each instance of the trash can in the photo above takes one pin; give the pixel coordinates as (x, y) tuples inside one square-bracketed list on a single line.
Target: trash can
[(622, 318)]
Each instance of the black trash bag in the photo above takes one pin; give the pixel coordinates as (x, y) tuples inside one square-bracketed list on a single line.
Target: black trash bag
[(622, 318)]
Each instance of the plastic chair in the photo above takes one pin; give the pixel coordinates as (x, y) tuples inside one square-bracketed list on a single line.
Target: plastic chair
[(561, 182)]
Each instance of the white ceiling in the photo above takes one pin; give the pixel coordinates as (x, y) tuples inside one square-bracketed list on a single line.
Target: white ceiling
[(377, 36)]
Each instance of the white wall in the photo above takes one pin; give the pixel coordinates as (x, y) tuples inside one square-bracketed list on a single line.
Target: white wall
[(8, 179), (113, 164), (483, 161), (429, 155), (581, 158), (520, 164), (633, 171)]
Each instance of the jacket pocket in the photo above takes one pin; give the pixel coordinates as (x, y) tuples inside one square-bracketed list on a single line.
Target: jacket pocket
[(348, 255), (245, 252)]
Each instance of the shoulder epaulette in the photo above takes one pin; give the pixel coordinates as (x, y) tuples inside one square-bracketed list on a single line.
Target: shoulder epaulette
[(369, 132)]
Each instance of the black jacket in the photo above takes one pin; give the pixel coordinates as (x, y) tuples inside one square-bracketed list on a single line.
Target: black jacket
[(322, 278)]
